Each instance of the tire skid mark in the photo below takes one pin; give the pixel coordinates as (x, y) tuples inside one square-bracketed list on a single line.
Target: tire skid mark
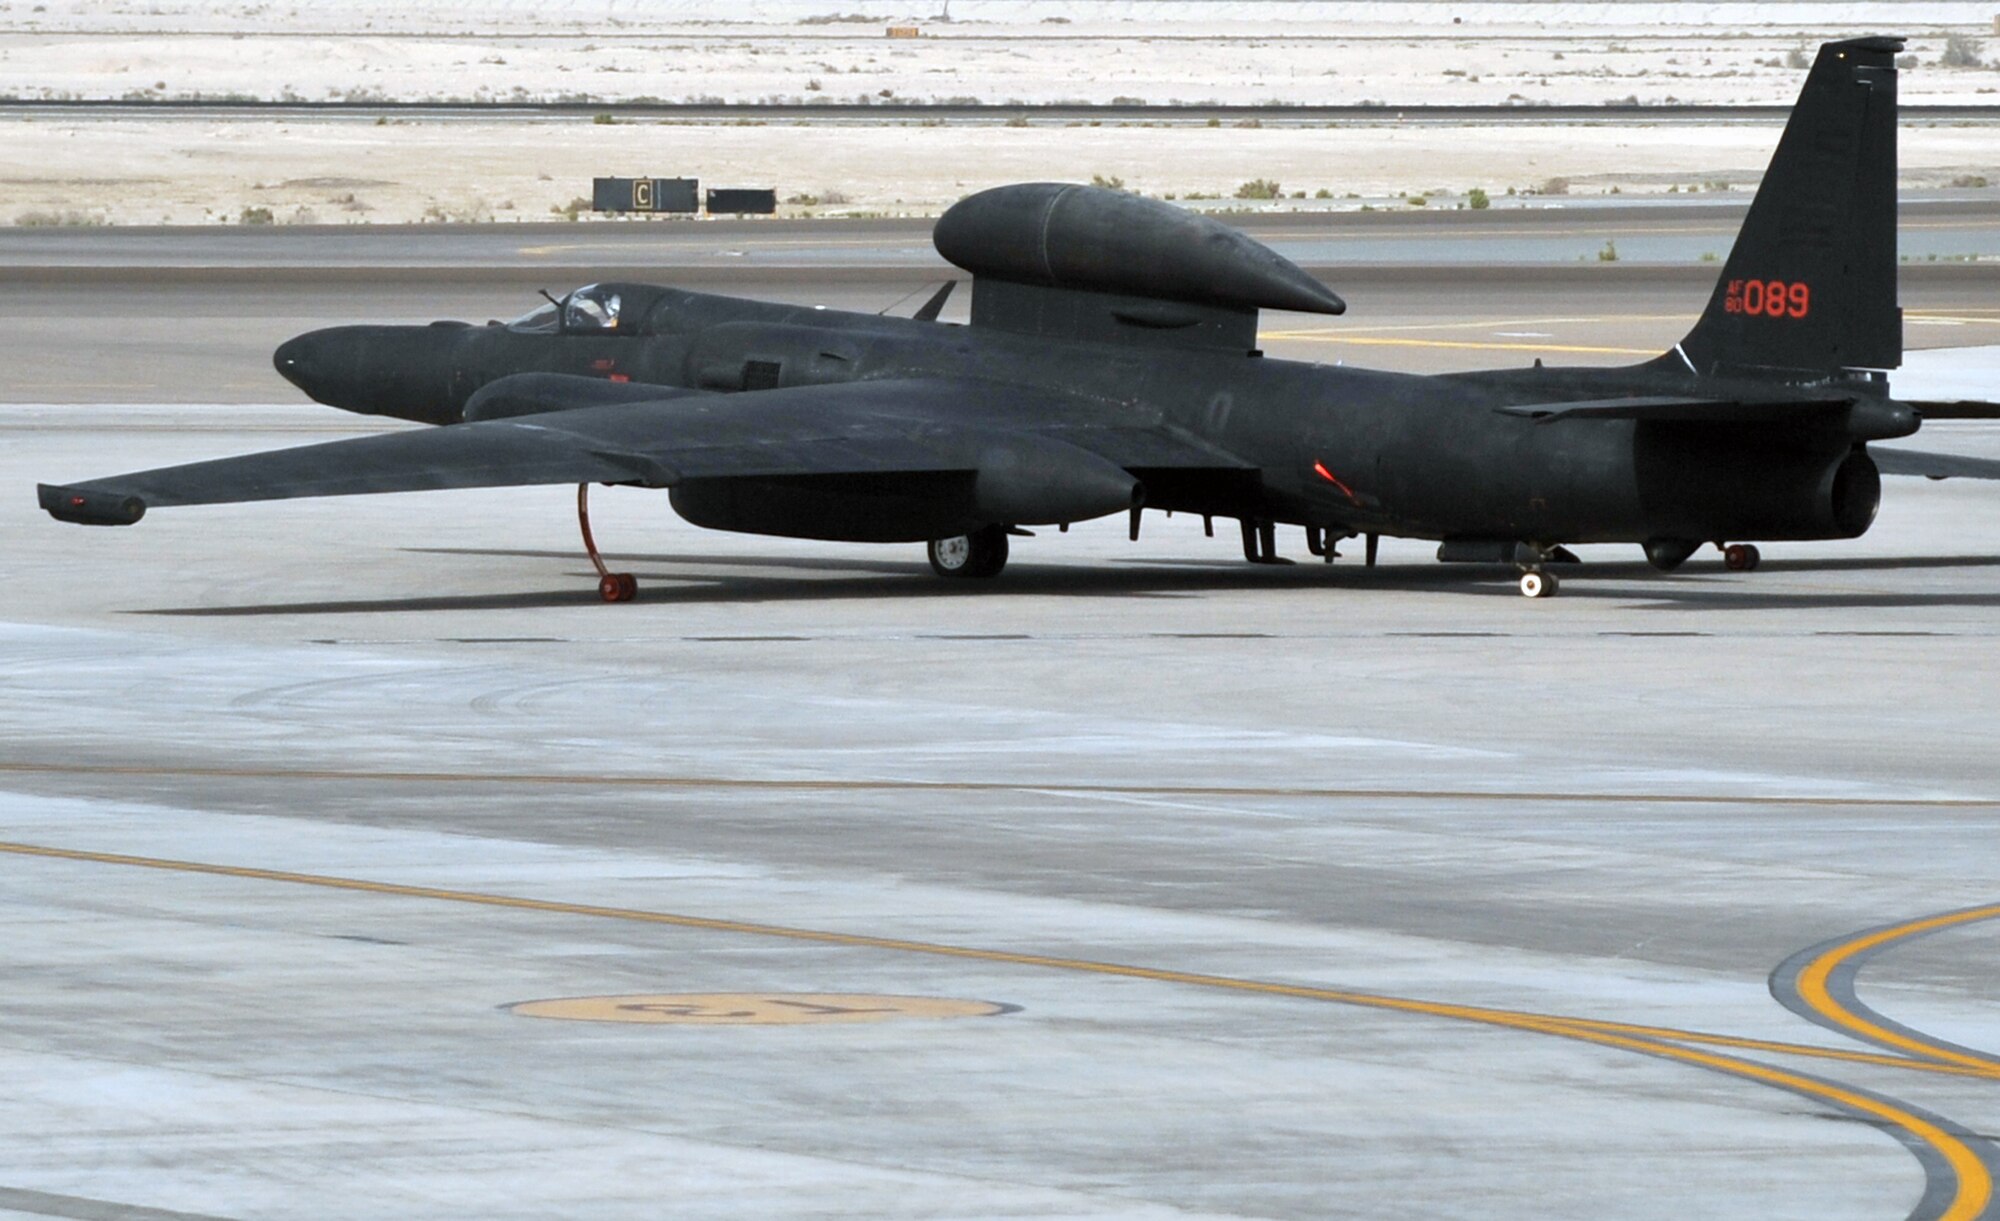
[(1959, 1166), (290, 694), (638, 780)]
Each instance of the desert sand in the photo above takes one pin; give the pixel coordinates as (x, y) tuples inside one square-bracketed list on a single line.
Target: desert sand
[(125, 168)]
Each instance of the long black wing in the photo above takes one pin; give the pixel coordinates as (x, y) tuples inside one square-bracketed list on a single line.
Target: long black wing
[(1933, 466), (854, 428)]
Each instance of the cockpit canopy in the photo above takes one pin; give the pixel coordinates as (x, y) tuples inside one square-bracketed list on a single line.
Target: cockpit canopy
[(594, 309), (544, 319)]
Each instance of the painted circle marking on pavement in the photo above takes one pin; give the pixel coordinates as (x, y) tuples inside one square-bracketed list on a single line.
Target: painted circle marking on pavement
[(756, 1008)]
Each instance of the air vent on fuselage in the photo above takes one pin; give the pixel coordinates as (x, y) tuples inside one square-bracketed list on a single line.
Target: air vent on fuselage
[(762, 374)]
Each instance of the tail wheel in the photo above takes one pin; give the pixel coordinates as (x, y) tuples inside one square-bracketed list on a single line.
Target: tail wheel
[(982, 553), (1741, 557), (618, 587), (1538, 584)]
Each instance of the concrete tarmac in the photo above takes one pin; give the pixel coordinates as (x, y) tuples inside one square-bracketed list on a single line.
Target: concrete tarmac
[(159, 316), (1142, 883), (165, 336), (1932, 225)]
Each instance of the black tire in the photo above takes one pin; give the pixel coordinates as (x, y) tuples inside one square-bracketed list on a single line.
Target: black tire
[(983, 553)]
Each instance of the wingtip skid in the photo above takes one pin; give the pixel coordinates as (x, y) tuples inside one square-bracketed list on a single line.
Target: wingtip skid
[(88, 508)]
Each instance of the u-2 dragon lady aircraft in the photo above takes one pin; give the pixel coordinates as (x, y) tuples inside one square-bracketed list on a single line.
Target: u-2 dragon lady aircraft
[(1111, 365)]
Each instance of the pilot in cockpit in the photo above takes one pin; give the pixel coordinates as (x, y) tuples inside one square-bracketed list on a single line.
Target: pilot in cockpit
[(591, 308)]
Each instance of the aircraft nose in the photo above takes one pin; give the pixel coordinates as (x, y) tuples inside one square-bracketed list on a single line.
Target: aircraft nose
[(294, 361), (401, 371)]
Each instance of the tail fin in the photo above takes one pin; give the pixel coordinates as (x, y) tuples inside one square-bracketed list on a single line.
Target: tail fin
[(1809, 291)]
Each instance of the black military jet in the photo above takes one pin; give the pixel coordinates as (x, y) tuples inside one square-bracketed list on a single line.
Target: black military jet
[(1111, 366)]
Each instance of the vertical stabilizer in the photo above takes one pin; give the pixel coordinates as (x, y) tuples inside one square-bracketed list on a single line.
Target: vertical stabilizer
[(1809, 291)]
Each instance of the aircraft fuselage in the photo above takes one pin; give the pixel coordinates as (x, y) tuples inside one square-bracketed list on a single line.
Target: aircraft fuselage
[(1348, 449)]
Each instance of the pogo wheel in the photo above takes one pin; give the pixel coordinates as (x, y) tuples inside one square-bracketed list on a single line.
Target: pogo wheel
[(1539, 584)]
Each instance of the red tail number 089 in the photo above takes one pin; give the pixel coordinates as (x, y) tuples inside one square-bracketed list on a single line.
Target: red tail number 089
[(1769, 298)]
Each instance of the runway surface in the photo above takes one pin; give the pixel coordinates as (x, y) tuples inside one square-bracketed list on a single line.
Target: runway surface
[(1147, 883), (1933, 225), (192, 315), (179, 339)]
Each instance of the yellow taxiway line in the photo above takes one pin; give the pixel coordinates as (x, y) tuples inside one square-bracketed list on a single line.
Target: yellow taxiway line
[(1972, 1188), (1782, 1048), (1972, 1183), (1813, 990)]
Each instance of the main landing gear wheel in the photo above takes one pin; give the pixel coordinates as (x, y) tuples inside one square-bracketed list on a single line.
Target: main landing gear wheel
[(1741, 557), (611, 586), (983, 553), (1538, 584)]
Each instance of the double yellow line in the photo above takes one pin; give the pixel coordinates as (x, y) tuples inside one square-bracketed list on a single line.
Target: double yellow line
[(1971, 1188), (1812, 985), (1819, 984)]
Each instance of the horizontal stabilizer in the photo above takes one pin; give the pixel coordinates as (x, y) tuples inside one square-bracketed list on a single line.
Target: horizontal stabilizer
[(1962, 409), (1864, 419), (1933, 466), (1679, 409), (1675, 408)]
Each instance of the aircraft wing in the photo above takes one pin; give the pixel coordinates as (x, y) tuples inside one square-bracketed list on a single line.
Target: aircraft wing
[(854, 428), (1933, 466)]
